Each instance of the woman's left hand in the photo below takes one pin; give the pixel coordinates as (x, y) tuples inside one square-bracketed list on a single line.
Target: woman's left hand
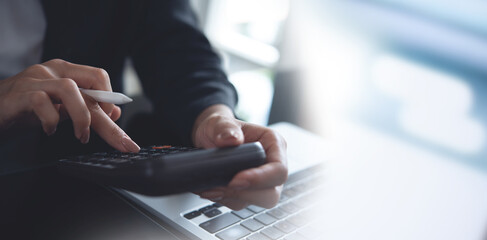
[(261, 186)]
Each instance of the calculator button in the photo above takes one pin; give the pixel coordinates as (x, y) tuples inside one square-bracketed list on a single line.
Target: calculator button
[(162, 147)]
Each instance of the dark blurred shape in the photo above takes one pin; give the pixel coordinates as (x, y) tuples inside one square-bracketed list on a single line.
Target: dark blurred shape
[(42, 204), (287, 102)]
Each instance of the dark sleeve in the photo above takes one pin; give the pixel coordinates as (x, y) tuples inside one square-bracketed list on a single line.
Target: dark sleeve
[(180, 72)]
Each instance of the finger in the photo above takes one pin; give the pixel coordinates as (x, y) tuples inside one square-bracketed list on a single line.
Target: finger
[(37, 102), (227, 132), (271, 174), (266, 198), (221, 131), (85, 76), (43, 107), (116, 113), (66, 91), (273, 143), (234, 204), (213, 194), (108, 130)]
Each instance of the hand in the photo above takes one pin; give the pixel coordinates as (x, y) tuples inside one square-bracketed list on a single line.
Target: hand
[(262, 186), (48, 93)]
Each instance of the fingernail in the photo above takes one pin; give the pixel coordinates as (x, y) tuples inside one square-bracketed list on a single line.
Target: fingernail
[(239, 185), (229, 134), (85, 136), (129, 144), (213, 195)]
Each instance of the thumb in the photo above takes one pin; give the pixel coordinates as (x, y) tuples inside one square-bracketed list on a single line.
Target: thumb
[(228, 133)]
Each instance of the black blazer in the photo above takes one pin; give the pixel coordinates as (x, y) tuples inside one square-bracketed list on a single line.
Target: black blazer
[(180, 72)]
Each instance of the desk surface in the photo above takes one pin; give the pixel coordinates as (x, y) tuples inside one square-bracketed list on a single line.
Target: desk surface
[(41, 204)]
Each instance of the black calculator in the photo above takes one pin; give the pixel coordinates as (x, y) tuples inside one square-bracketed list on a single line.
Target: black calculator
[(165, 169)]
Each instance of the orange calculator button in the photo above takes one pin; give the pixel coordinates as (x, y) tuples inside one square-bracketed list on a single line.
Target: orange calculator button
[(162, 147)]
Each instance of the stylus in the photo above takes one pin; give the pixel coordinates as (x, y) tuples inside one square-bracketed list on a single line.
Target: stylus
[(106, 96)]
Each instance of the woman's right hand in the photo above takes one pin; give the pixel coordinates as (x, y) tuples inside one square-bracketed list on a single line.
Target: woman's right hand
[(48, 93)]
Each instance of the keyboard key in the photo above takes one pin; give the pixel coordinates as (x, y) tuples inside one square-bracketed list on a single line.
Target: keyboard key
[(206, 208), (283, 198), (255, 209), (289, 207), (258, 236), (309, 232), (277, 213), (192, 214), (216, 224), (302, 187), (295, 236), (233, 233), (285, 226), (308, 213), (308, 199), (217, 205), (252, 224), (298, 220), (212, 212), (290, 192), (272, 233), (265, 218), (300, 203), (244, 213)]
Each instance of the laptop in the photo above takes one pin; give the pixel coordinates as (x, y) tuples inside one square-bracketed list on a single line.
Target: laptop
[(195, 218)]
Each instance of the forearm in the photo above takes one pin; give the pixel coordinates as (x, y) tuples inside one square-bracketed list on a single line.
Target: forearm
[(180, 72)]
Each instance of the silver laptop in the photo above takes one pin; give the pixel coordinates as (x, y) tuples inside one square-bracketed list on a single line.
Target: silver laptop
[(196, 218), (358, 184)]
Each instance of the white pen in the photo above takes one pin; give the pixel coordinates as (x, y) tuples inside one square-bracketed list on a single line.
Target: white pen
[(106, 96)]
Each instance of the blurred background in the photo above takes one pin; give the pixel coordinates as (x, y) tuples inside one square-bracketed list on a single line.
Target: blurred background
[(400, 86), (416, 70)]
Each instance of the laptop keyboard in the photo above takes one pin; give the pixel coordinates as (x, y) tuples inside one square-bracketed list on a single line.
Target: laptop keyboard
[(291, 219)]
